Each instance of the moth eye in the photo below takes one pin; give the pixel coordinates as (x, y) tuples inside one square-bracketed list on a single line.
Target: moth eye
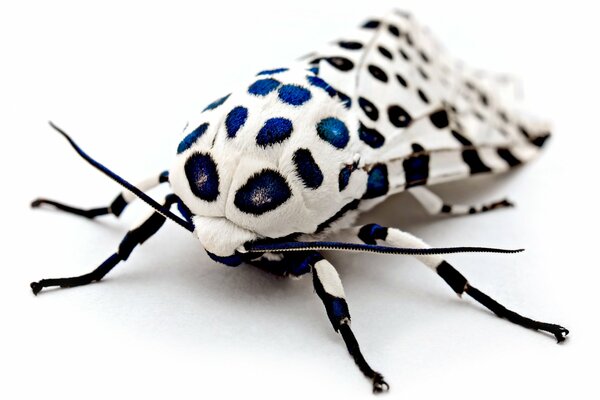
[(264, 191), (202, 176)]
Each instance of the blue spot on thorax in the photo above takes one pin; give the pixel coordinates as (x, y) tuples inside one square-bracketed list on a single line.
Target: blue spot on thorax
[(333, 131), (201, 172), (272, 71), (294, 95), (320, 83), (263, 192), (235, 120), (216, 103), (191, 138), (275, 130), (263, 87), (307, 168)]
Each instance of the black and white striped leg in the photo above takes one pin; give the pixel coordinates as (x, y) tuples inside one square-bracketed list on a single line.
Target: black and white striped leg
[(435, 205), (115, 208), (329, 288), (134, 237), (372, 233)]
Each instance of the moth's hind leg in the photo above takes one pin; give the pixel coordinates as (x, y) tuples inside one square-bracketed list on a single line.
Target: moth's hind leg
[(135, 236), (115, 208), (329, 288), (435, 205), (373, 233)]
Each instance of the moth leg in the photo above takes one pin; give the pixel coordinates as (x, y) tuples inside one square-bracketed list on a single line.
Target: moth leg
[(435, 205), (372, 233), (135, 236), (115, 208), (329, 288)]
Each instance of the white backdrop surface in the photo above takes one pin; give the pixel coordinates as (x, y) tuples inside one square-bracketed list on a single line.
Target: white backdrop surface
[(123, 77)]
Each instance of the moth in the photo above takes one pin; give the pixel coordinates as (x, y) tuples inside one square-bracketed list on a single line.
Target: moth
[(268, 174)]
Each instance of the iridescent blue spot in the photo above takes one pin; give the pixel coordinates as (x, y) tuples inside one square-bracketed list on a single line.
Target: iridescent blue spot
[(314, 70), (272, 71), (216, 103), (263, 87), (264, 191), (294, 94), (235, 119), (202, 176), (377, 182), (333, 131), (191, 138), (320, 83), (307, 168), (275, 130)]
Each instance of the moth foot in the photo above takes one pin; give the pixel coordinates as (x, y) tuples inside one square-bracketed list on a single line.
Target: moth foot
[(379, 384), (36, 287)]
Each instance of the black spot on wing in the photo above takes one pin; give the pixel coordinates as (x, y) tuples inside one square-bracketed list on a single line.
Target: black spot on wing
[(393, 29), (508, 156), (463, 140), (349, 45), (341, 63), (439, 119), (263, 192), (385, 52), (398, 116), (369, 108), (370, 136), (377, 73), (401, 80), (372, 24), (476, 166)]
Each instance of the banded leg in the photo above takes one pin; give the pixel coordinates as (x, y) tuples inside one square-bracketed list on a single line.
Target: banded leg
[(137, 235), (115, 208), (435, 205), (372, 233), (329, 288)]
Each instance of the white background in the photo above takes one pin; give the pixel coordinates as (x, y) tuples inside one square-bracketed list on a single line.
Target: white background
[(123, 78)]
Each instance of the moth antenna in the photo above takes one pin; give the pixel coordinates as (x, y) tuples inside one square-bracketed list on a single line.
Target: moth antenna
[(141, 195), (370, 248)]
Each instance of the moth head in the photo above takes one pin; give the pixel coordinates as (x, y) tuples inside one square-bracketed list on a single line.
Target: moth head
[(276, 158)]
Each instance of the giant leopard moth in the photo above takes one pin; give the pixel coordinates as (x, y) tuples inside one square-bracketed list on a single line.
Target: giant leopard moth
[(268, 174)]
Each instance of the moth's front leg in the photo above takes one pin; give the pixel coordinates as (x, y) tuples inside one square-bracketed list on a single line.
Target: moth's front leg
[(329, 288)]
